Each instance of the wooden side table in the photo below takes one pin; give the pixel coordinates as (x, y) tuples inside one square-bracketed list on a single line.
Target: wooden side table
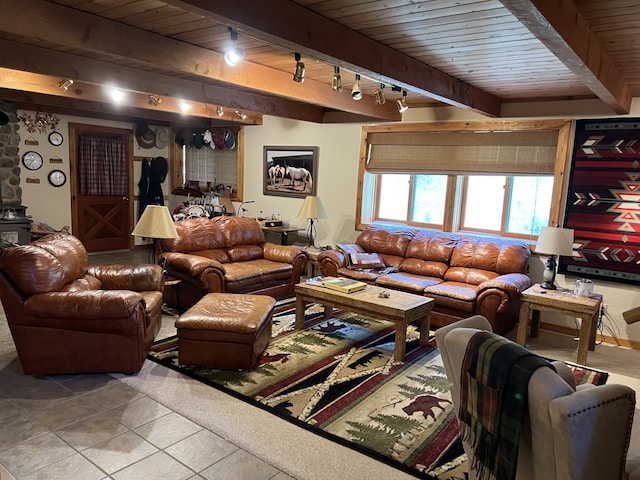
[(536, 299)]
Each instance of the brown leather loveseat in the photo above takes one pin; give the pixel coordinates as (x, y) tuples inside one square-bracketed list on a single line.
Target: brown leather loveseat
[(464, 274), (66, 316), (229, 255)]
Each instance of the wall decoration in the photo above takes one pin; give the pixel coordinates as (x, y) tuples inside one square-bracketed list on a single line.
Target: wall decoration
[(32, 160), (56, 138), (290, 171), (57, 178), (603, 202), (42, 122)]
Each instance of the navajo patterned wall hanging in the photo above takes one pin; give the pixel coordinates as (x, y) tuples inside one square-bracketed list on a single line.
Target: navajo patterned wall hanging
[(603, 202)]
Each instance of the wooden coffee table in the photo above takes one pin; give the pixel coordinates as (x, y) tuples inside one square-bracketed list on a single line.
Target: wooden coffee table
[(400, 308)]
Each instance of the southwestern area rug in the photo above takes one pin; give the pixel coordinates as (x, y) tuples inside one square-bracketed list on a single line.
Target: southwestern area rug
[(337, 378)]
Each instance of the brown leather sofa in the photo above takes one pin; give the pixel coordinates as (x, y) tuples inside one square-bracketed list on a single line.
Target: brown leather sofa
[(229, 255), (66, 316), (464, 274)]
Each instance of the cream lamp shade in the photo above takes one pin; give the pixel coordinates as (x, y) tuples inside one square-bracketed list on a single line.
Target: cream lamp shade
[(553, 241), (155, 222), (312, 210)]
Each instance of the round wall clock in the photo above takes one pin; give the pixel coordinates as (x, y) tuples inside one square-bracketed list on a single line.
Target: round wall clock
[(56, 138), (57, 178), (32, 160)]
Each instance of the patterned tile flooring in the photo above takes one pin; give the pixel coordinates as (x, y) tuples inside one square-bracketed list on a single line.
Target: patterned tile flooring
[(96, 427)]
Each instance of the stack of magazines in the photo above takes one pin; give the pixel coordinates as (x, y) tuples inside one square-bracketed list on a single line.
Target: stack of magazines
[(341, 284)]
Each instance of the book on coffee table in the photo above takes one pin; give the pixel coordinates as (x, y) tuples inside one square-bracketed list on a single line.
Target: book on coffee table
[(341, 284)]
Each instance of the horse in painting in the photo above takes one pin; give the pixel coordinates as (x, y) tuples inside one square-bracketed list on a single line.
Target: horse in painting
[(299, 174), (276, 174)]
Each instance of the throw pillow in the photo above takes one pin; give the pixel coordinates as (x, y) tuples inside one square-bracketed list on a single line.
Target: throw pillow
[(365, 260)]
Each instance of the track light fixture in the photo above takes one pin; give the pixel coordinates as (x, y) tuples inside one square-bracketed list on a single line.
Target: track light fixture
[(155, 100), (220, 110), (233, 54), (336, 83), (64, 85), (401, 103), (298, 75), (379, 95), (242, 115), (356, 93)]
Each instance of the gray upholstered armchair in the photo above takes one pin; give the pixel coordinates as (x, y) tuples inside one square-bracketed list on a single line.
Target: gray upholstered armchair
[(569, 433)]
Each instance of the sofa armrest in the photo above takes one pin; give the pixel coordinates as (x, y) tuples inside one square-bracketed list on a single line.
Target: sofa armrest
[(282, 253), (512, 284), (206, 273), (330, 261), (139, 278), (592, 420)]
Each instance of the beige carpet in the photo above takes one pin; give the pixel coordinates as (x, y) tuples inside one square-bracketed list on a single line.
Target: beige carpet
[(301, 454)]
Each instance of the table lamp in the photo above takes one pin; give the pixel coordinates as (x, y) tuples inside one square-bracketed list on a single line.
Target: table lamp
[(155, 223), (553, 241), (312, 210)]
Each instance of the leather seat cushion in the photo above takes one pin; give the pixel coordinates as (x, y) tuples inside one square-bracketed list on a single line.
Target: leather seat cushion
[(257, 271), (407, 282), (454, 295)]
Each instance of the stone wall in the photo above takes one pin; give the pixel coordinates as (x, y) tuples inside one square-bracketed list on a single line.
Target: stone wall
[(10, 190)]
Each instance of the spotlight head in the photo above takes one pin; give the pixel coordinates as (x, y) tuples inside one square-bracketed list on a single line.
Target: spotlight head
[(401, 103), (64, 85), (220, 110), (379, 95), (155, 100), (356, 93), (233, 54), (336, 83), (298, 75)]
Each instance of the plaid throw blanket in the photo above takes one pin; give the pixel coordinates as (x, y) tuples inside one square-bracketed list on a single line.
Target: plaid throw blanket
[(492, 402)]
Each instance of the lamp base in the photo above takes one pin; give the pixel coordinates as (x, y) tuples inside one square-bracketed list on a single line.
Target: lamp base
[(548, 286)]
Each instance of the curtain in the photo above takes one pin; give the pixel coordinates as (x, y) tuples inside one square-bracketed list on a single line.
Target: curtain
[(102, 165), (502, 153)]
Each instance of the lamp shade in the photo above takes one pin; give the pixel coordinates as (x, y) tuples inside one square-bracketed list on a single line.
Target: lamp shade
[(555, 241), (155, 222), (312, 208)]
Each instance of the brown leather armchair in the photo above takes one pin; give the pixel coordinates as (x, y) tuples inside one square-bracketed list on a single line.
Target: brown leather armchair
[(68, 317)]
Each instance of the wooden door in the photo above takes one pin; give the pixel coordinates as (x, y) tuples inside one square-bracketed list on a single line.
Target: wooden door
[(104, 221)]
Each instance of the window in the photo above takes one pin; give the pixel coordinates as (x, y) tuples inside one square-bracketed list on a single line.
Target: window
[(514, 206), (496, 177)]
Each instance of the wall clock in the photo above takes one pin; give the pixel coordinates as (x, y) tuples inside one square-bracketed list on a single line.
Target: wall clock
[(32, 160), (57, 178), (56, 138)]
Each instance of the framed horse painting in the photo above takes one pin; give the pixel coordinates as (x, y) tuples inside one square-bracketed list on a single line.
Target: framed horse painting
[(290, 171)]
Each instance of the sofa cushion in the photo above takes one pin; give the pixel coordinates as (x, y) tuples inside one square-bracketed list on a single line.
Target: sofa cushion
[(86, 282), (256, 270), (217, 254), (194, 234), (492, 254), (453, 295), (239, 231), (244, 253), (472, 276), (416, 266), (388, 239), (432, 245), (406, 281)]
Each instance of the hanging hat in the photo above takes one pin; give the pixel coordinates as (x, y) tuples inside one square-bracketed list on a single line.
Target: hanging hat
[(198, 140), (218, 140), (229, 140), (4, 118), (144, 135), (162, 138), (208, 139), (184, 137)]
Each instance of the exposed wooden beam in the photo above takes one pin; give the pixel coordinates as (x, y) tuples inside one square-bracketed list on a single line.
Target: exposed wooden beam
[(291, 26), (49, 62), (560, 26), (167, 108), (38, 20)]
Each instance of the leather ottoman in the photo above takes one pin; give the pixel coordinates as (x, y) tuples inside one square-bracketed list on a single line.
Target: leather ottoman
[(225, 330)]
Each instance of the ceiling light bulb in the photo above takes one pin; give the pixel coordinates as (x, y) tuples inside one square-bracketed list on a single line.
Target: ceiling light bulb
[(298, 75), (242, 115), (233, 54), (336, 83), (184, 106), (379, 95), (64, 85), (220, 111), (116, 94), (356, 93)]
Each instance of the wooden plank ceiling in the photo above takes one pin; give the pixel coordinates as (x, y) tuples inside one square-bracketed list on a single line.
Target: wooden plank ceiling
[(472, 54)]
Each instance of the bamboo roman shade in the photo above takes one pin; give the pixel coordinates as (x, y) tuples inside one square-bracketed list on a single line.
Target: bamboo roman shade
[(514, 152)]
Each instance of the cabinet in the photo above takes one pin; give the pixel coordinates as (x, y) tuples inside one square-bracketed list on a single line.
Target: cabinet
[(16, 231)]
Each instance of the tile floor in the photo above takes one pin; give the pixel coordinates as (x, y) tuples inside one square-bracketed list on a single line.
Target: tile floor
[(96, 427)]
